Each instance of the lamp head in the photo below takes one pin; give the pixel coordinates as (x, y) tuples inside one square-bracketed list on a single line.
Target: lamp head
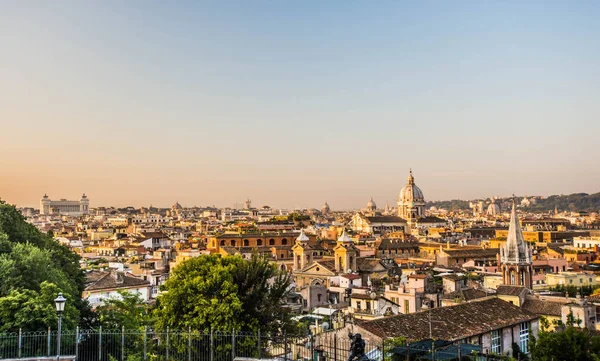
[(59, 302)]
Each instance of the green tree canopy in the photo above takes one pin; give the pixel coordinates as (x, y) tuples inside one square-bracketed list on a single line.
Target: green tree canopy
[(34, 269), (572, 344), (129, 311), (224, 293)]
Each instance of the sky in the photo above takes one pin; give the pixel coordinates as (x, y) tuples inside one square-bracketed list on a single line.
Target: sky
[(293, 103)]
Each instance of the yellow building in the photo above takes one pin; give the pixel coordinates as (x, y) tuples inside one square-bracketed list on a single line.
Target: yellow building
[(527, 236), (571, 279)]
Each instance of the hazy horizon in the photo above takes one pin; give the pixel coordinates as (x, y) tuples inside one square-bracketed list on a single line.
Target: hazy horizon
[(293, 104)]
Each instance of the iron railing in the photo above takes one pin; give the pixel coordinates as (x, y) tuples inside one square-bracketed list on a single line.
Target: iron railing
[(190, 345)]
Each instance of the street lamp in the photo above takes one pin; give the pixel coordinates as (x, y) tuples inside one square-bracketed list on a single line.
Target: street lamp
[(59, 302)]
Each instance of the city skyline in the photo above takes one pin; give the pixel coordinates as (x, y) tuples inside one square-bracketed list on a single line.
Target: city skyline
[(295, 104), (256, 203)]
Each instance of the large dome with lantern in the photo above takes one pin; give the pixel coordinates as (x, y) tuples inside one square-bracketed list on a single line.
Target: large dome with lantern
[(410, 192), (411, 202)]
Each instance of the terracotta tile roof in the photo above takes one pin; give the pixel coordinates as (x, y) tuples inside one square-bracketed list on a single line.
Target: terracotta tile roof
[(472, 253), (468, 294), (451, 323), (543, 308), (154, 235), (368, 264), (452, 277), (388, 243), (430, 219), (109, 281), (385, 219), (510, 290)]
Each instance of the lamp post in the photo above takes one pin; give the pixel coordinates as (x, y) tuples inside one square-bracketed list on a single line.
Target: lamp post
[(59, 302)]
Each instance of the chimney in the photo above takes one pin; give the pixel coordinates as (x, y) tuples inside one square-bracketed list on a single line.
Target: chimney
[(118, 276)]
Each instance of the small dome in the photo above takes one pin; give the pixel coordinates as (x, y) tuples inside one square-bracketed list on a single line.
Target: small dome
[(410, 192), (344, 238), (325, 208), (302, 237)]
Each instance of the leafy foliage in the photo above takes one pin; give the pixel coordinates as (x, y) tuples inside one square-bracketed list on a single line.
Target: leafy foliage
[(224, 293), (573, 291), (572, 344), (572, 202), (453, 205), (129, 311), (34, 269)]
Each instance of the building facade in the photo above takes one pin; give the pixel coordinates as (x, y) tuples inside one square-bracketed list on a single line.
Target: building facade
[(65, 207)]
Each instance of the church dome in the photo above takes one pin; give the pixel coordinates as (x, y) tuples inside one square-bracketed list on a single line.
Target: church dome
[(410, 192), (325, 208), (493, 209), (371, 205)]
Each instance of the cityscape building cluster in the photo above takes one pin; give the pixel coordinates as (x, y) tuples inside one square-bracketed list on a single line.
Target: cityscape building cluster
[(491, 271)]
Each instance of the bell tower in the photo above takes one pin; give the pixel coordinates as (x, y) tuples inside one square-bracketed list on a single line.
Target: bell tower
[(515, 256), (302, 252), (345, 254)]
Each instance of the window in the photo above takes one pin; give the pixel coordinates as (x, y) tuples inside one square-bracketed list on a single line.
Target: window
[(246, 243), (368, 305), (259, 242), (319, 297), (284, 241), (222, 242), (496, 345), (358, 305), (406, 303), (524, 337), (271, 242)]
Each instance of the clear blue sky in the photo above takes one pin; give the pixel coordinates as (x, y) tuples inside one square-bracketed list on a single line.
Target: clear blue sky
[(295, 103)]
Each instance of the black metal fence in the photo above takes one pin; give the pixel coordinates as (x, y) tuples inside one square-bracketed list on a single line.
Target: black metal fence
[(167, 345)]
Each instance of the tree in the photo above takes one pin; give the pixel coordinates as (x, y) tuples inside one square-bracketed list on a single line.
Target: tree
[(224, 293), (128, 310), (34, 268), (572, 344)]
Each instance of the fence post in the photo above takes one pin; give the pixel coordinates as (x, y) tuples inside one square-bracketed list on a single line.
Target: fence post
[(335, 347), (20, 343), (311, 349), (77, 343), (100, 344), (167, 359), (285, 345), (189, 343), (145, 341), (212, 344), (122, 342), (259, 349), (383, 350), (49, 331), (233, 344), (407, 350), (459, 352)]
